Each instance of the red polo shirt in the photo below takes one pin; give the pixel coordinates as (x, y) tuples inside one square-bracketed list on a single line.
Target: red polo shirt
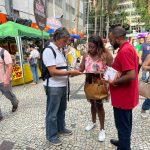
[(125, 96)]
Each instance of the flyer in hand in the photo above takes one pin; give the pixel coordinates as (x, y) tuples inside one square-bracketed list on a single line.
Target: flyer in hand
[(111, 74)]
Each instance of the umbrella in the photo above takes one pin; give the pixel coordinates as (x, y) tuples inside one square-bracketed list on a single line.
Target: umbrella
[(51, 31), (75, 36), (142, 35)]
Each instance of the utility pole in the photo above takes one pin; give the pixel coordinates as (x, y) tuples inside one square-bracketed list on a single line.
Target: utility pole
[(77, 15)]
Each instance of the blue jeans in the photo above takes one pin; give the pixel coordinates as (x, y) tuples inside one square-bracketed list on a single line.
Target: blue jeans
[(123, 122), (34, 70), (146, 104), (8, 94), (144, 77), (55, 111)]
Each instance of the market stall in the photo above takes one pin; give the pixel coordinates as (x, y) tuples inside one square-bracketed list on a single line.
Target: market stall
[(22, 73)]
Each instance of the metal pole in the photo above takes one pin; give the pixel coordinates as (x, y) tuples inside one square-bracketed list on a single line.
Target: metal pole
[(19, 45), (54, 15)]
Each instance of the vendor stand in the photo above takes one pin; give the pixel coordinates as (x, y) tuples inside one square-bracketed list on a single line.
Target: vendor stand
[(21, 73)]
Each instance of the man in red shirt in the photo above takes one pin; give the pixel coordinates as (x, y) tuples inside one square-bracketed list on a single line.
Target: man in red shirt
[(123, 90)]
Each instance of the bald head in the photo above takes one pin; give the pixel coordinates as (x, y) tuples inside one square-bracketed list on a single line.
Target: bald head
[(118, 32)]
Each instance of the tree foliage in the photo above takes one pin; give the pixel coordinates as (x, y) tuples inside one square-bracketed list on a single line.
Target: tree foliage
[(143, 7)]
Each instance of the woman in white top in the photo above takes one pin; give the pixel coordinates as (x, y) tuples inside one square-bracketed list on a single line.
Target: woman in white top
[(33, 61)]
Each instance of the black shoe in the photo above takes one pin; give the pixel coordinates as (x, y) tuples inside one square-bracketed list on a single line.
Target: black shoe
[(56, 142), (66, 132), (114, 142), (1, 118), (15, 108)]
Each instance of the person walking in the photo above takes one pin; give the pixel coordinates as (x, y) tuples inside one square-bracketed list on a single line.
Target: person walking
[(33, 61), (6, 67), (56, 86), (146, 103), (138, 50), (145, 50), (94, 63), (123, 90)]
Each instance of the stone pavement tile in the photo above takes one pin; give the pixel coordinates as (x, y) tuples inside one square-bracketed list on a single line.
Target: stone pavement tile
[(26, 127)]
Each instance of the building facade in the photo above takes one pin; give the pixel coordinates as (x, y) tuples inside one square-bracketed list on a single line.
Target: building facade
[(132, 15), (64, 10)]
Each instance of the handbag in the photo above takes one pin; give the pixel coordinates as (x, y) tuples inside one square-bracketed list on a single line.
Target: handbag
[(96, 91), (144, 89), (32, 62)]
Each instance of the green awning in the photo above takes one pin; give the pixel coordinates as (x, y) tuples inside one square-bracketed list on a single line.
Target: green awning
[(12, 29)]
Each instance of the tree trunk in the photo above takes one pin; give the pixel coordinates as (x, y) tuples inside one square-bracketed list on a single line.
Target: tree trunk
[(77, 15), (95, 5), (149, 8), (107, 27)]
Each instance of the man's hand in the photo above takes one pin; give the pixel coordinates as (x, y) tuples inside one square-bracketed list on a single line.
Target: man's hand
[(110, 82), (73, 73)]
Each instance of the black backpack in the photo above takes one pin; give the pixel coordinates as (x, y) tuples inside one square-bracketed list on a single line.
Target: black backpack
[(44, 70)]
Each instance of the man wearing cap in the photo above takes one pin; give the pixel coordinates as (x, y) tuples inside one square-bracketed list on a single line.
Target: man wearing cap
[(57, 86), (123, 90)]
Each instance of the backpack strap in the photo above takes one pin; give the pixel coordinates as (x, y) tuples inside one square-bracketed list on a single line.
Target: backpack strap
[(2, 53), (52, 50)]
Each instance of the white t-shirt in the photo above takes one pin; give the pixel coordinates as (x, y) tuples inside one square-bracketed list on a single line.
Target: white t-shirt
[(50, 60), (34, 53)]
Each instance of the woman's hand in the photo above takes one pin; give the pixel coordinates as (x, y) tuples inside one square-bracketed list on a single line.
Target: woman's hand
[(73, 73)]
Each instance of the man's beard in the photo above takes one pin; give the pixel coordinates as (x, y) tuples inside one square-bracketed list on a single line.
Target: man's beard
[(115, 45)]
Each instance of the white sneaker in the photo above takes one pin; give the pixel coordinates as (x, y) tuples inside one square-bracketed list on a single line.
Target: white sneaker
[(90, 126), (101, 136)]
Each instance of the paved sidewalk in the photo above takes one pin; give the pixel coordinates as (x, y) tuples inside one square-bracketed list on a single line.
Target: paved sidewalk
[(25, 129)]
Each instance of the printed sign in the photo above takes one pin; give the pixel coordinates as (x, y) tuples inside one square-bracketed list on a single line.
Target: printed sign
[(40, 13)]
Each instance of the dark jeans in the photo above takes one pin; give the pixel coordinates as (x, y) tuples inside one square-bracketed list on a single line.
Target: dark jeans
[(123, 122), (8, 94), (55, 111)]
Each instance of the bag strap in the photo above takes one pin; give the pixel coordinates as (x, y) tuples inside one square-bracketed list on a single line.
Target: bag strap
[(2, 53)]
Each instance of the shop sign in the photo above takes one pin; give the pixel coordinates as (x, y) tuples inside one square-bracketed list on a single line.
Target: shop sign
[(17, 72), (40, 13)]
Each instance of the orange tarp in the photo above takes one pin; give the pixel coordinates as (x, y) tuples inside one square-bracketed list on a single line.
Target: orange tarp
[(2, 18), (34, 25)]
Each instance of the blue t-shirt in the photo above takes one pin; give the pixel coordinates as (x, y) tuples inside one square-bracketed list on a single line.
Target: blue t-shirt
[(146, 50)]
